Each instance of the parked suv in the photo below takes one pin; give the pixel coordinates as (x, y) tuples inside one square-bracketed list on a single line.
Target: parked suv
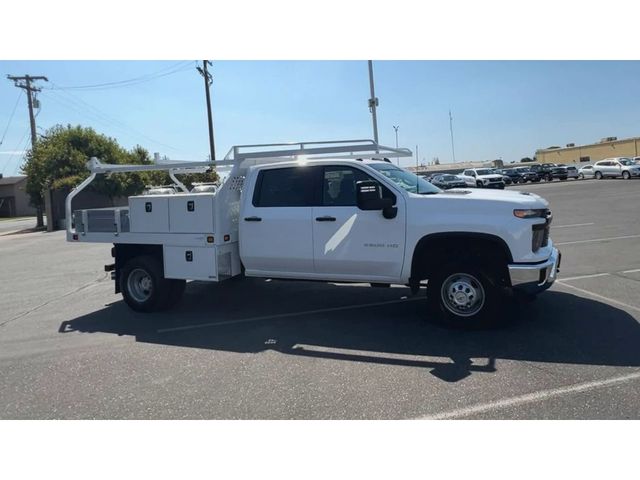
[(616, 167), (482, 178), (572, 172), (447, 181), (560, 173), (543, 170), (527, 175)]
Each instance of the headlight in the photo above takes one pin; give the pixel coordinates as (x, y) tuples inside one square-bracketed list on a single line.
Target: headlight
[(531, 213)]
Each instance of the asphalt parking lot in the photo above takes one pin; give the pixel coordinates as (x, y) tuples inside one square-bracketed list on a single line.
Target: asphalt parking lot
[(70, 348)]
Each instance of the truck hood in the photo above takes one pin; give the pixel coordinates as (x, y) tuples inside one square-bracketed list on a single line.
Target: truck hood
[(478, 196)]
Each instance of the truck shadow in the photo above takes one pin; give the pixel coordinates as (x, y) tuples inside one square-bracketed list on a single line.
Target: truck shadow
[(307, 319)]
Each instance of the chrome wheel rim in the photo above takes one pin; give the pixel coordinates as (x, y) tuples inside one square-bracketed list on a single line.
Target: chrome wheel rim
[(140, 285), (462, 294)]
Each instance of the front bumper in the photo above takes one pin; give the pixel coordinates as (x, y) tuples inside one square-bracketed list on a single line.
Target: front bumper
[(537, 277)]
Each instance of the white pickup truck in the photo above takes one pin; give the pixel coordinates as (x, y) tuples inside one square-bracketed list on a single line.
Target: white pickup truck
[(326, 211), (482, 178)]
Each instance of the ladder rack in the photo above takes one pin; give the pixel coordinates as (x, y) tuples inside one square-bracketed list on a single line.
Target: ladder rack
[(331, 149)]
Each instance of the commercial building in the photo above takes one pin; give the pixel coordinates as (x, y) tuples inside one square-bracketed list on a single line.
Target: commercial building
[(14, 200), (605, 148)]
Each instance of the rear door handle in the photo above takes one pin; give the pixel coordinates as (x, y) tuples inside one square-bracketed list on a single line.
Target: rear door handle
[(326, 218), (252, 219)]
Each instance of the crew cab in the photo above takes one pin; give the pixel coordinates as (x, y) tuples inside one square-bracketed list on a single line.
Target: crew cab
[(482, 178), (303, 214)]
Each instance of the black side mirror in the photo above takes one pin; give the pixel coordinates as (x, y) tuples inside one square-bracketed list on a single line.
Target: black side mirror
[(369, 197)]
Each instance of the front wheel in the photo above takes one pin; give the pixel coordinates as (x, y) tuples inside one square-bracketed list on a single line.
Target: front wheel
[(598, 175), (626, 175), (464, 295), (580, 176), (479, 184)]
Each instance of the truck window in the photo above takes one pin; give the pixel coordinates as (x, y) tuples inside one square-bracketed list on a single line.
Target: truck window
[(339, 186), (284, 187)]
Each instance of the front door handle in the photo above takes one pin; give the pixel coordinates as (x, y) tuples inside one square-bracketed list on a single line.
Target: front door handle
[(252, 219), (326, 218)]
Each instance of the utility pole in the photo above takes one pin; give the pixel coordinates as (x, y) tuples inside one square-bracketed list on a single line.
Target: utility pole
[(208, 80), (417, 159), (396, 127), (25, 82), (373, 103), (453, 151)]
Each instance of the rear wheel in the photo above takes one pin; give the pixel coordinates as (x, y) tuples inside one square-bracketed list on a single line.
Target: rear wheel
[(464, 295), (626, 175), (143, 285)]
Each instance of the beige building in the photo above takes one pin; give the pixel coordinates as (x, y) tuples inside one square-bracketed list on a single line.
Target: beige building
[(14, 200), (605, 148)]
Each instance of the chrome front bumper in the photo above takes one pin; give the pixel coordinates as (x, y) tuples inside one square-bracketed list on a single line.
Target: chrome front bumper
[(537, 277)]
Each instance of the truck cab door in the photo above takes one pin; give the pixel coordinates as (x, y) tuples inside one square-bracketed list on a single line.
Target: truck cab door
[(353, 244), (275, 223)]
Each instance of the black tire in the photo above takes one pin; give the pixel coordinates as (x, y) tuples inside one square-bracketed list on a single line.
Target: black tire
[(138, 273), (598, 175), (580, 176), (480, 280), (626, 175), (479, 184)]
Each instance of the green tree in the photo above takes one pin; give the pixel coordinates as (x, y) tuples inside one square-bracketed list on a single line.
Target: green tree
[(59, 162)]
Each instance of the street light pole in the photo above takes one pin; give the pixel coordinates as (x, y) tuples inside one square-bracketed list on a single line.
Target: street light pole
[(396, 127), (373, 103), (453, 151)]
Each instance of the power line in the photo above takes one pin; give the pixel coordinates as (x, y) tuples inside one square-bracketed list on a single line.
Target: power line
[(91, 112), (11, 117), (171, 70)]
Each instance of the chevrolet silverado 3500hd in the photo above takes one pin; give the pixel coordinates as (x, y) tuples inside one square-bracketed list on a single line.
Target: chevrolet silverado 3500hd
[(327, 211)]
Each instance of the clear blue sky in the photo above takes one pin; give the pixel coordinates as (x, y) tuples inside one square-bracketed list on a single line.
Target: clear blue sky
[(501, 109)]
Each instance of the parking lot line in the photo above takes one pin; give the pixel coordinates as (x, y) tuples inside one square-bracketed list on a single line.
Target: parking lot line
[(538, 396), (601, 297), (593, 240), (632, 271), (573, 225), (285, 315), (580, 277)]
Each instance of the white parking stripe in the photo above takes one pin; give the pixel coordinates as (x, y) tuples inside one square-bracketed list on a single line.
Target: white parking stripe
[(573, 225), (632, 271), (285, 315), (597, 240), (532, 397), (601, 297), (585, 276)]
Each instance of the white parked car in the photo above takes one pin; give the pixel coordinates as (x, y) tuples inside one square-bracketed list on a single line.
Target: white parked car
[(616, 167), (585, 172), (482, 178)]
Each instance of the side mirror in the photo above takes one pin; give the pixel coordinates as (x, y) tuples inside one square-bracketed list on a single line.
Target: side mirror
[(369, 197)]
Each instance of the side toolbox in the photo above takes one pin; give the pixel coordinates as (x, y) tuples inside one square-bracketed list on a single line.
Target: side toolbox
[(191, 263)]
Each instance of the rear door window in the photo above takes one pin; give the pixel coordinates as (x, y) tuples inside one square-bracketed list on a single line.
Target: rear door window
[(285, 187)]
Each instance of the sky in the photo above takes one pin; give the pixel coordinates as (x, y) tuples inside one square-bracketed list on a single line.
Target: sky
[(500, 109)]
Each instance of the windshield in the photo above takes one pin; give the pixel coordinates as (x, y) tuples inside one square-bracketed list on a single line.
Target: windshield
[(404, 179), (626, 161), (484, 171), (449, 177)]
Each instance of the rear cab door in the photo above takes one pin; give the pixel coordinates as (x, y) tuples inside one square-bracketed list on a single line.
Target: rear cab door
[(276, 232)]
